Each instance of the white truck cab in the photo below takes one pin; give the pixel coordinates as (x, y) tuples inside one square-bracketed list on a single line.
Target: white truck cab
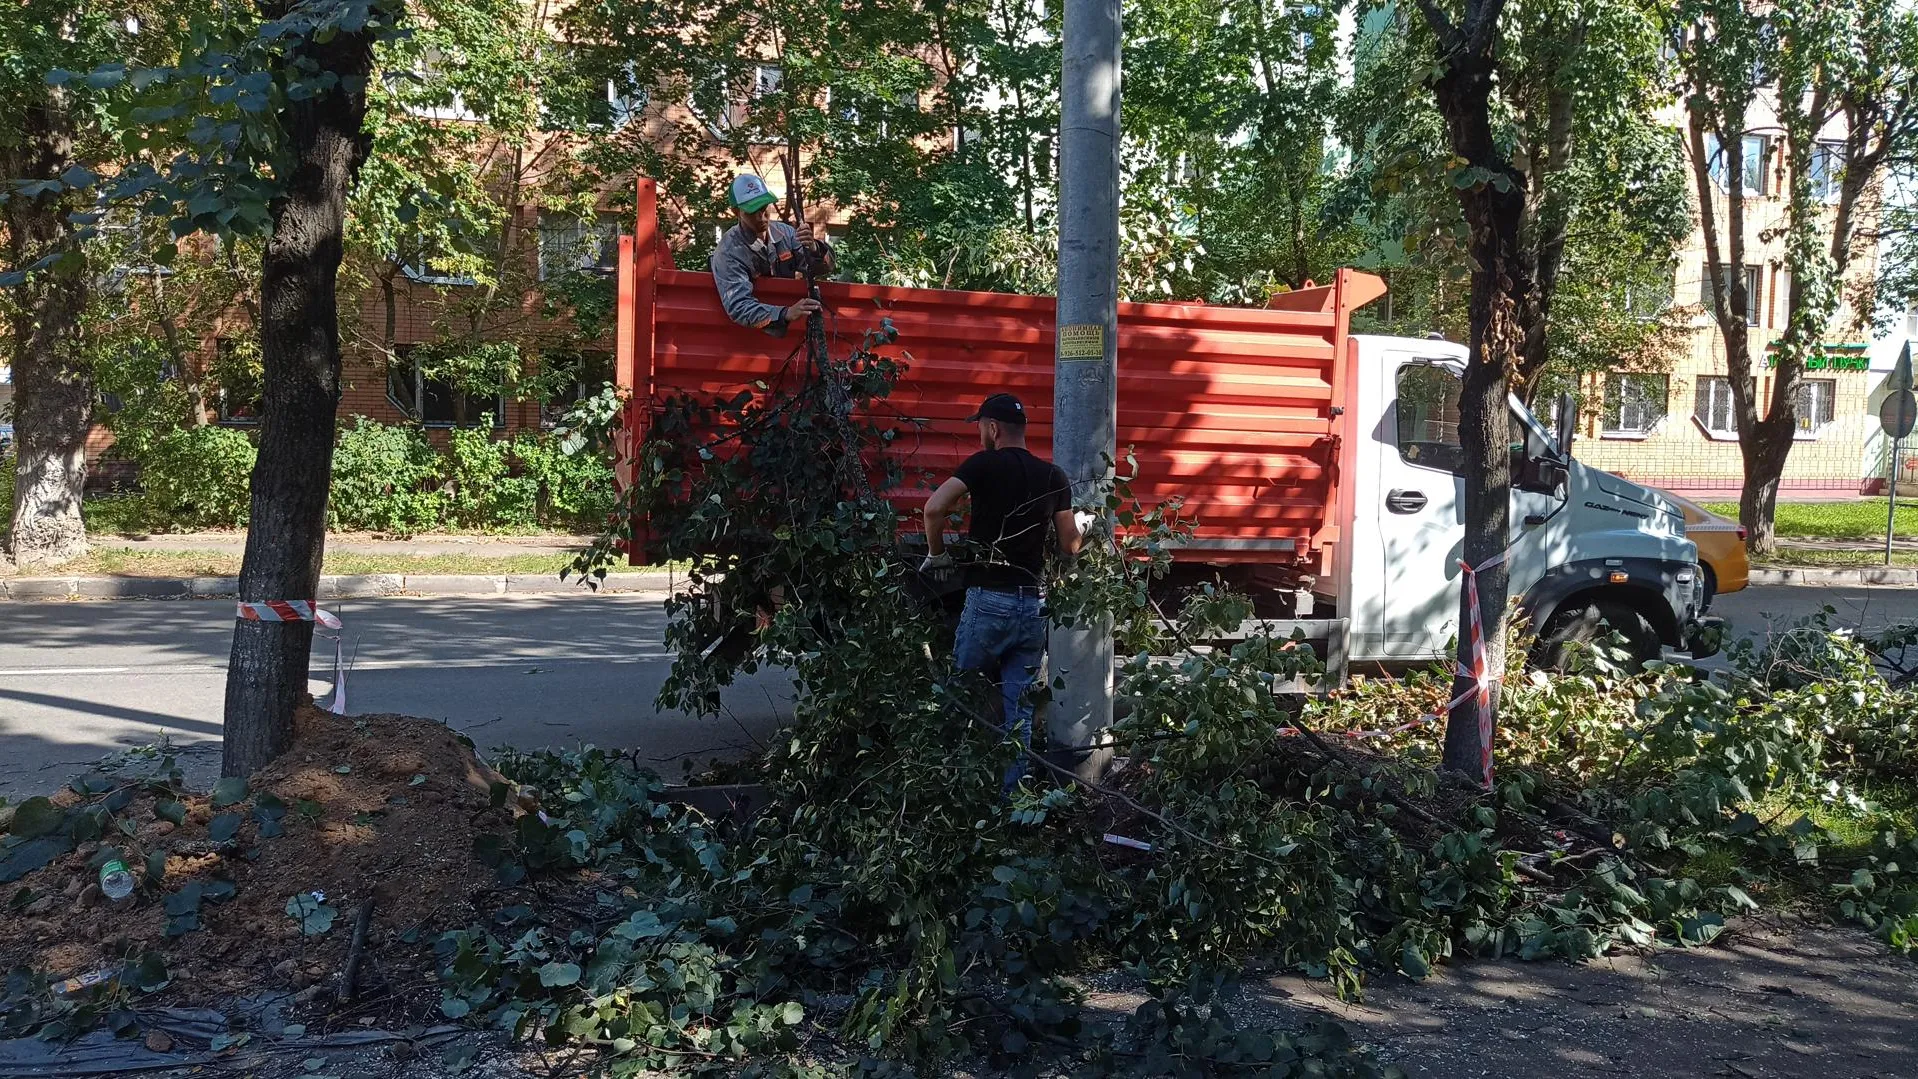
[(1589, 551)]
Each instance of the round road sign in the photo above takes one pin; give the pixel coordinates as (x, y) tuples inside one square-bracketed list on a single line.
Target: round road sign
[(1898, 413)]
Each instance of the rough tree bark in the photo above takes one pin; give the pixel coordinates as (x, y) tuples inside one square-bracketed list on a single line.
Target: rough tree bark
[(1503, 286), (1546, 223), (1725, 255), (300, 354), (52, 383)]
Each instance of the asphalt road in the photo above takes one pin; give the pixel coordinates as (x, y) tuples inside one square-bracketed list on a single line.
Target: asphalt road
[(78, 680)]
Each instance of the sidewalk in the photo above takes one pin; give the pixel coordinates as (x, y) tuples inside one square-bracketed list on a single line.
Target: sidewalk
[(362, 543), (507, 579), (360, 586), (355, 586), (1836, 576), (1807, 543), (200, 565)]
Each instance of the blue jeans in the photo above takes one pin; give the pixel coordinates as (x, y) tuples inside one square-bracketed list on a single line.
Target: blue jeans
[(1004, 636)]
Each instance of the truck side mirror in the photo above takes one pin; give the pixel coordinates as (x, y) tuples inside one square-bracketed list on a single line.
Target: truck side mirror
[(1567, 424), (1541, 475)]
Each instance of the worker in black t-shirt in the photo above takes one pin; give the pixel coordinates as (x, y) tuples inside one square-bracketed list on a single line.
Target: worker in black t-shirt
[(1017, 499)]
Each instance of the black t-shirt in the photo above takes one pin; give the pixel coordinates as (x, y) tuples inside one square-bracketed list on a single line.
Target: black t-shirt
[(1014, 495)]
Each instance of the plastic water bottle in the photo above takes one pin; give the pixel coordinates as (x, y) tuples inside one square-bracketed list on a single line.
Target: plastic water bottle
[(115, 880)]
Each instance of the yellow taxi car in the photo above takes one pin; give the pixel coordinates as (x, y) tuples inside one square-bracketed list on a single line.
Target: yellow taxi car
[(1721, 547)]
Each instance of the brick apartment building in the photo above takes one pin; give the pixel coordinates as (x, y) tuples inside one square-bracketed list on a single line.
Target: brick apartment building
[(392, 308)]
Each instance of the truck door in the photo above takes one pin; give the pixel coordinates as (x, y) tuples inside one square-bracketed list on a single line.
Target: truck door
[(1421, 515), (1421, 518)]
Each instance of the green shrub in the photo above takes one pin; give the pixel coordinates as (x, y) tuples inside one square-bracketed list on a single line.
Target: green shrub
[(484, 491), (392, 479), (198, 477), (385, 479), (142, 397), (575, 490)]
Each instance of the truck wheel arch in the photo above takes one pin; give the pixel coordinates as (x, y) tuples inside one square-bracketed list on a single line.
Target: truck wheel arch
[(1649, 582)]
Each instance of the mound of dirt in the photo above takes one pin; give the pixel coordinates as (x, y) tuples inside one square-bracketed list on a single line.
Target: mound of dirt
[(381, 809)]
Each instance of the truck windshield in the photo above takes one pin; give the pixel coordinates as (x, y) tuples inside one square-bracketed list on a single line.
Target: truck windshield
[(1428, 417)]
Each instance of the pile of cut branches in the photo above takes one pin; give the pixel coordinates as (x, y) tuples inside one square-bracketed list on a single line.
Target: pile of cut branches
[(892, 889)]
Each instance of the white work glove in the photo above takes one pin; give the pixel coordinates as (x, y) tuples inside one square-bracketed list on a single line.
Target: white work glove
[(1084, 519), (936, 563)]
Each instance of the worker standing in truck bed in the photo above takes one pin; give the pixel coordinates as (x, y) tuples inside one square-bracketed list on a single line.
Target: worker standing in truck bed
[(760, 246)]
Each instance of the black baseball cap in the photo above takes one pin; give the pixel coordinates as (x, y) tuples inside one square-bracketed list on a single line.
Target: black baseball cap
[(1003, 407)]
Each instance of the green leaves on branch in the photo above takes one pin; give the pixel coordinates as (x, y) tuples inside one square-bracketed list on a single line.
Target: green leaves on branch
[(888, 872), (213, 119)]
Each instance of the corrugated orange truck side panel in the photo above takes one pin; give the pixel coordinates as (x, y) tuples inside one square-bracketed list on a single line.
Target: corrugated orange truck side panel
[(1237, 411)]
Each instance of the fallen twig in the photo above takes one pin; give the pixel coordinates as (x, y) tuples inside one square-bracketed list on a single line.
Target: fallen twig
[(1534, 875), (355, 952), (1332, 754)]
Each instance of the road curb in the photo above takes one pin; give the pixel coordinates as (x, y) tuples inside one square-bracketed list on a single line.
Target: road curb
[(1828, 577), (365, 585), (356, 586)]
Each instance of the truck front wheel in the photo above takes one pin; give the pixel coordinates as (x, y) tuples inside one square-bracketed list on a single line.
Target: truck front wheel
[(1589, 620)]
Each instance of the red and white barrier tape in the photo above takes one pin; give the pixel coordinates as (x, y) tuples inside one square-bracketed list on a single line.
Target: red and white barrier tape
[(304, 610), (287, 610), (1482, 679)]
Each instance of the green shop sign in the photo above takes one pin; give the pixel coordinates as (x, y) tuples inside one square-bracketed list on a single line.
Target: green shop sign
[(1829, 357)]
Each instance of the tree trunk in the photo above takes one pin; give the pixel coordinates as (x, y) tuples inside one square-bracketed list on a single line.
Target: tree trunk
[(52, 384), (1503, 286), (300, 354), (1484, 432), (1764, 450)]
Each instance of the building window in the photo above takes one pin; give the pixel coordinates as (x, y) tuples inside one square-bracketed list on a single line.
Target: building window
[(434, 401), (1706, 279), (1649, 301), (569, 243), (625, 97), (766, 79), (862, 115), (1634, 404), (715, 104), (1713, 408), (571, 378), (428, 264), (1827, 170), (1816, 406), (623, 108), (133, 239), (1751, 171), (236, 370), (425, 92), (1308, 13)]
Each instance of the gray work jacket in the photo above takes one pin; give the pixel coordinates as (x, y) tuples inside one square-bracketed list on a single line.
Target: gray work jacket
[(740, 259)]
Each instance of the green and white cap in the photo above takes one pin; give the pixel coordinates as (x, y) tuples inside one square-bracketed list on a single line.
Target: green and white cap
[(749, 192)]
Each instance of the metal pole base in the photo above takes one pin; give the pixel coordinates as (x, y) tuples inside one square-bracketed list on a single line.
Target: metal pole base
[(1080, 712)]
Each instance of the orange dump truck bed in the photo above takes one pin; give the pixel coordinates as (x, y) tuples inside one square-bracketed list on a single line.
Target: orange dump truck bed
[(1235, 410)]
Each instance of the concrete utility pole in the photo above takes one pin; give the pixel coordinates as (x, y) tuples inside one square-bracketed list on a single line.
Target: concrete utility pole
[(1085, 391)]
